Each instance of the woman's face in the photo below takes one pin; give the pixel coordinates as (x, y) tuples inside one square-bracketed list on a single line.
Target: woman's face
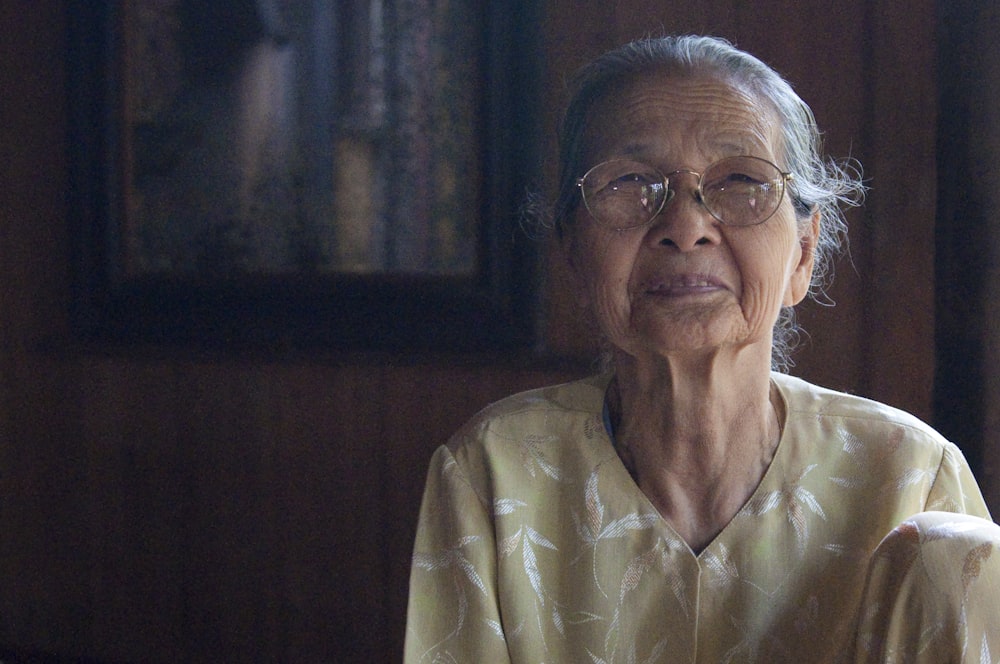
[(686, 283)]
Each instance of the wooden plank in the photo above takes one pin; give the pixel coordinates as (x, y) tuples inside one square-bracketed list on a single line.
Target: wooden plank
[(897, 345), (136, 507), (328, 475)]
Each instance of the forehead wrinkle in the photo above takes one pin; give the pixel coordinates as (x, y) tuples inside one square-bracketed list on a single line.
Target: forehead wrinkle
[(719, 118)]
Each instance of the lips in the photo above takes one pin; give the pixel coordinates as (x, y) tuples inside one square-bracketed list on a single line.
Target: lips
[(683, 284)]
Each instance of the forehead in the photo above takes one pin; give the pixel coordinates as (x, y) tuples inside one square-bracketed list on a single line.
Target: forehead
[(657, 113)]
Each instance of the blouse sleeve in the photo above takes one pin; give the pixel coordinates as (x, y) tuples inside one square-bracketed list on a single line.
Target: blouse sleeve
[(453, 614), (955, 488)]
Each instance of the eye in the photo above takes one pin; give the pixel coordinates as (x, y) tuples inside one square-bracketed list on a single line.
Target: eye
[(620, 177), (743, 178), (628, 183), (741, 174), (736, 180), (630, 179), (742, 191)]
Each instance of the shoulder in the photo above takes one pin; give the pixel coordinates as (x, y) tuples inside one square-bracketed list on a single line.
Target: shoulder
[(529, 439), (848, 415), (544, 410), (887, 455)]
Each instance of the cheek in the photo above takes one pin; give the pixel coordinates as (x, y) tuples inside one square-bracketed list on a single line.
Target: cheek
[(766, 271), (603, 271), (606, 283)]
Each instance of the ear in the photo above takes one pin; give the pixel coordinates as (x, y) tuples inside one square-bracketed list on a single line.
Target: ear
[(801, 277)]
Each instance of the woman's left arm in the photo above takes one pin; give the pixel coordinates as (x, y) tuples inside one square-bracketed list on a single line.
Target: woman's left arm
[(955, 488)]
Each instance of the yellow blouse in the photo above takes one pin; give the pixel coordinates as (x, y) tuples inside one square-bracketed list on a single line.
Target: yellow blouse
[(535, 545)]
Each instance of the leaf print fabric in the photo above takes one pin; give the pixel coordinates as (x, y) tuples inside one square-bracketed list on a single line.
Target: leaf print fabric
[(535, 545), (934, 593)]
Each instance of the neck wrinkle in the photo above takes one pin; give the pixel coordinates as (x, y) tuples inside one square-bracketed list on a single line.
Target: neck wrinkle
[(698, 469)]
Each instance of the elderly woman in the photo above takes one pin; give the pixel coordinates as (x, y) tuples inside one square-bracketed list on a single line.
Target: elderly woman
[(689, 503)]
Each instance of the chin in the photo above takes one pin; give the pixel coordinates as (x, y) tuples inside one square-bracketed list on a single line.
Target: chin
[(681, 341)]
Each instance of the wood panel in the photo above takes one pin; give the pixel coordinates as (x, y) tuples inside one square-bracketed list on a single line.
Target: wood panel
[(967, 397), (44, 596), (898, 344), (984, 134), (135, 507), (329, 433)]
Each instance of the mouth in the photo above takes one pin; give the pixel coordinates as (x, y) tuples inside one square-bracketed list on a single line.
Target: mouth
[(683, 284)]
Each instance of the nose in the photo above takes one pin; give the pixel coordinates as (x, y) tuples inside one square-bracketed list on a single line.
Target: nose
[(684, 223)]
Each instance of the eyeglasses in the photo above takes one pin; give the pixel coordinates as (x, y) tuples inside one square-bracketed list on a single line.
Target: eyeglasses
[(738, 191)]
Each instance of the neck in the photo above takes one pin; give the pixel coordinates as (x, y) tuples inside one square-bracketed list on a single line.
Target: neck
[(696, 438)]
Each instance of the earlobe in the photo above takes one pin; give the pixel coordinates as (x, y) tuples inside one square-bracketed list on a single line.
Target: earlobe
[(798, 285)]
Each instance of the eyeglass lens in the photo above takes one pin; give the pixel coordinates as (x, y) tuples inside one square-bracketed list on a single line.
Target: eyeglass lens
[(739, 191)]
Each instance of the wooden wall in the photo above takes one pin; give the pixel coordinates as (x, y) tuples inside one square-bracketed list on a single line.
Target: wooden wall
[(967, 396), (160, 506)]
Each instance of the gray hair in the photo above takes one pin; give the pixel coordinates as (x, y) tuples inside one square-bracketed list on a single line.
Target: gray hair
[(820, 184)]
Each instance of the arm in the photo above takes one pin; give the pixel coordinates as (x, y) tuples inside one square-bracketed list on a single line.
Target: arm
[(955, 488), (453, 613)]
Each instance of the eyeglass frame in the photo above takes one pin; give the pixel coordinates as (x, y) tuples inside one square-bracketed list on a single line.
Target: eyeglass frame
[(785, 178)]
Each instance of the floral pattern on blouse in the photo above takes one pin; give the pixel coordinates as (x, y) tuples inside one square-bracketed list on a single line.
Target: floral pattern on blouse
[(535, 545)]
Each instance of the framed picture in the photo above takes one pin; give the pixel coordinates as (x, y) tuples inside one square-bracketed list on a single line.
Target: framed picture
[(285, 173)]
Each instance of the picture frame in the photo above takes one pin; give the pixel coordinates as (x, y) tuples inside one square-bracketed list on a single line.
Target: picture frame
[(154, 263)]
